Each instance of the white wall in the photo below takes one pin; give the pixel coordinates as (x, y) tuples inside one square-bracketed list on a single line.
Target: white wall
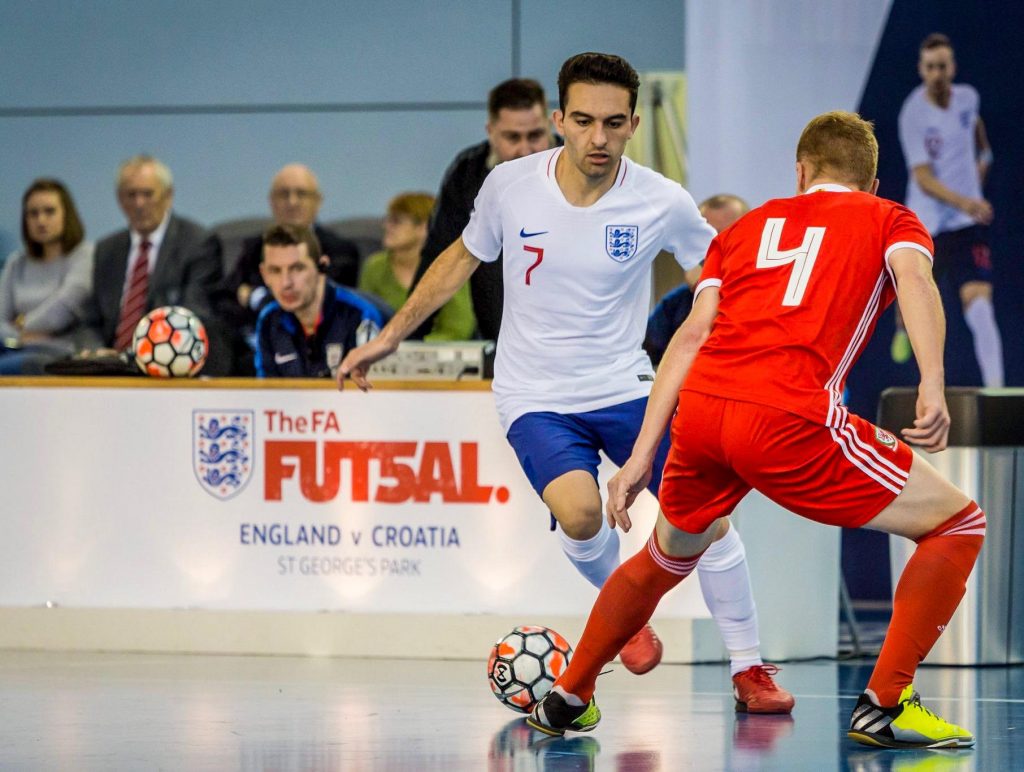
[(86, 84), (757, 72)]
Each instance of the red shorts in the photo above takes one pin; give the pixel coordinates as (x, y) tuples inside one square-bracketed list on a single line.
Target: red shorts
[(721, 448)]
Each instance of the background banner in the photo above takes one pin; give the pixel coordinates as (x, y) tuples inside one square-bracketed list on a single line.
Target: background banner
[(214, 498)]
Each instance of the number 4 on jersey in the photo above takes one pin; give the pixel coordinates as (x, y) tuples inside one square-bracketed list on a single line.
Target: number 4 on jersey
[(770, 256)]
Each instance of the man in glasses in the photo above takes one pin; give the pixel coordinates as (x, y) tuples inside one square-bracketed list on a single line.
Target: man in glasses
[(295, 200)]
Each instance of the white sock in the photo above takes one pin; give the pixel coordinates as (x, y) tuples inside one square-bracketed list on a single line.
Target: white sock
[(570, 699), (725, 584), (988, 346), (597, 557)]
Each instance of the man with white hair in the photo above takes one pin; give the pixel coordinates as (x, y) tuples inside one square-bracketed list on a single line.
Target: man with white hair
[(160, 259)]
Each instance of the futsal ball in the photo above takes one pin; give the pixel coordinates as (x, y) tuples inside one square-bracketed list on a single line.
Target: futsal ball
[(170, 342), (524, 664)]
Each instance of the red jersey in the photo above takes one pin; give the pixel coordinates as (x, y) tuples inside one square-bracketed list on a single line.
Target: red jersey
[(803, 281)]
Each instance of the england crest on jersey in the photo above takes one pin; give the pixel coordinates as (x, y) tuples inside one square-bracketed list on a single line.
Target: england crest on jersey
[(222, 450), (620, 241)]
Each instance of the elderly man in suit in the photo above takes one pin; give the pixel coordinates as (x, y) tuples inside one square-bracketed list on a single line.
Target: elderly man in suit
[(160, 259)]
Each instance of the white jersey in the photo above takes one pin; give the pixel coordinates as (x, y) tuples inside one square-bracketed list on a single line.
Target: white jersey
[(944, 139), (577, 281)]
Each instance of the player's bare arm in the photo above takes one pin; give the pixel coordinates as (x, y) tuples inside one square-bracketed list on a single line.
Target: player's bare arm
[(984, 149), (977, 208), (692, 275), (634, 475), (921, 307), (444, 278)]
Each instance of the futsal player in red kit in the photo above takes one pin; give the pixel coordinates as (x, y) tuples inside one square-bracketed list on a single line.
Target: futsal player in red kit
[(786, 302)]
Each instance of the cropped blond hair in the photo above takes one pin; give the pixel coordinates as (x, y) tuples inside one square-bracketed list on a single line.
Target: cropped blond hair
[(841, 145)]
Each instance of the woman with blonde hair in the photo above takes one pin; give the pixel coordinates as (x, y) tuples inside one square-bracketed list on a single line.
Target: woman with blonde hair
[(388, 274)]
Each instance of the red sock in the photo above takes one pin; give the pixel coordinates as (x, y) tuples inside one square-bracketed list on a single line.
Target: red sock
[(926, 597), (626, 603)]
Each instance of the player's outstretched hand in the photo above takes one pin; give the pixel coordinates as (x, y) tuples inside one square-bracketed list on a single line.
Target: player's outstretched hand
[(623, 489), (357, 362), (931, 427)]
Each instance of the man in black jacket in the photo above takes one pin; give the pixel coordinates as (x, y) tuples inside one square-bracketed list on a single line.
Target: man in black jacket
[(311, 322), (517, 126)]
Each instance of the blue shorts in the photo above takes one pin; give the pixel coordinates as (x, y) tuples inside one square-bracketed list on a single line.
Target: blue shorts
[(550, 444)]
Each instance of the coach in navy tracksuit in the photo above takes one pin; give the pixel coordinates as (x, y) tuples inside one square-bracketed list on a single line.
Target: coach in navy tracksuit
[(312, 322)]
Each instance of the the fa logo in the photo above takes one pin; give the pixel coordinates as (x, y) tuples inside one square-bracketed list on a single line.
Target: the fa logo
[(222, 450), (965, 119), (620, 241)]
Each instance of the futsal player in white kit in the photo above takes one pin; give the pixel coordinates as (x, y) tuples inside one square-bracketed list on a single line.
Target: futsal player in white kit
[(947, 153), (579, 227)]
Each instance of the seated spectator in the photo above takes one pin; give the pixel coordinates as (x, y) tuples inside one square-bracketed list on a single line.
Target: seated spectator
[(160, 259), (312, 321), (720, 211), (723, 210), (388, 274), (518, 124), (295, 199), (44, 286)]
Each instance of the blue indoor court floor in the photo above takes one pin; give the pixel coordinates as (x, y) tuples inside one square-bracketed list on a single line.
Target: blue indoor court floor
[(75, 711)]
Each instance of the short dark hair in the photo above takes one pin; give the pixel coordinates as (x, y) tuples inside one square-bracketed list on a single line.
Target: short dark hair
[(595, 68), (74, 231), (515, 94), (291, 236), (936, 40)]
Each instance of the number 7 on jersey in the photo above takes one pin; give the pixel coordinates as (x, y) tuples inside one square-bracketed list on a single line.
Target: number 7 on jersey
[(770, 256), (539, 252)]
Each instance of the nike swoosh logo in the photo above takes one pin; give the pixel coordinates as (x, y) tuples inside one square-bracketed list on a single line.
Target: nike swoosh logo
[(280, 359), (524, 235)]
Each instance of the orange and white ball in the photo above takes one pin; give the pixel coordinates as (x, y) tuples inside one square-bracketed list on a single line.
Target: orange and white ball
[(170, 342)]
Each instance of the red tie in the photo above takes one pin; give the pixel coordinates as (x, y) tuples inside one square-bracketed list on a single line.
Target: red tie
[(134, 305)]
